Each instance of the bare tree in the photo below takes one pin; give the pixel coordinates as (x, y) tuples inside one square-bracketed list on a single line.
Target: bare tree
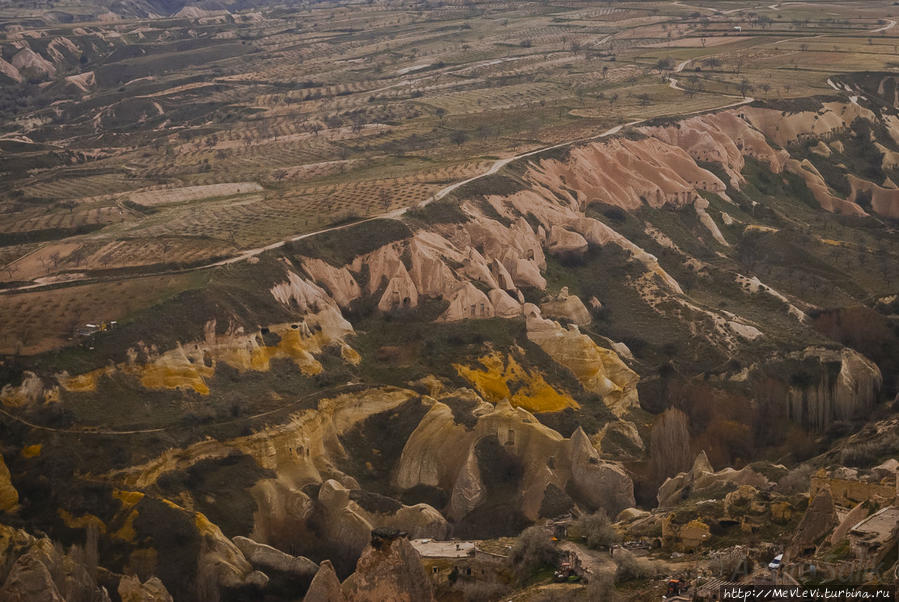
[(670, 445)]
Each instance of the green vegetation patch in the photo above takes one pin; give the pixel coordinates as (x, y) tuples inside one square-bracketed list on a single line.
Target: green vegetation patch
[(498, 184), (375, 444), (340, 247), (443, 211), (221, 489)]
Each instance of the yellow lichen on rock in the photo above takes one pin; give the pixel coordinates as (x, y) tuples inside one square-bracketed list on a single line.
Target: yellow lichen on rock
[(204, 525), (127, 532), (539, 396), (32, 451), (81, 383), (175, 376), (30, 391), (534, 393), (129, 500), (597, 369), (491, 382), (81, 522), (295, 347), (9, 497), (350, 355), (190, 365)]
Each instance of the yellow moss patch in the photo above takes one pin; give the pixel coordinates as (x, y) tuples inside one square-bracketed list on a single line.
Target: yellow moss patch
[(533, 392), (32, 451), (81, 522)]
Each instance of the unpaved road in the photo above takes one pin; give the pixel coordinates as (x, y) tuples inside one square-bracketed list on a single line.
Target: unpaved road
[(594, 562), (889, 25)]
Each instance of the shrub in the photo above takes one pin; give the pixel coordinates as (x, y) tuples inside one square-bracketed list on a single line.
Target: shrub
[(533, 550), (602, 587), (598, 531), (631, 568), (795, 481), (870, 452)]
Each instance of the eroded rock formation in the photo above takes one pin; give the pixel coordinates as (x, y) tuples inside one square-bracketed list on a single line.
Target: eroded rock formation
[(441, 453)]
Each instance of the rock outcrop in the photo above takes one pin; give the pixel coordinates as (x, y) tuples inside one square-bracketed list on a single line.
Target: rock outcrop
[(567, 306), (819, 189), (701, 480), (819, 520), (566, 243), (598, 484), (468, 302), (340, 283), (266, 558), (626, 173), (844, 386), (325, 586), (389, 569), (441, 453), (725, 138), (37, 570), (152, 590), (598, 369), (221, 562), (784, 127), (31, 390), (884, 201), (686, 537), (621, 440)]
